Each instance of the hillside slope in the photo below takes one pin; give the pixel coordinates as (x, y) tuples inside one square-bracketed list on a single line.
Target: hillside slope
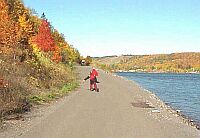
[(175, 62)]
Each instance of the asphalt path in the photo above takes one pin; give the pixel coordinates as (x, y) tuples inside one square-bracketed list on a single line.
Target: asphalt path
[(107, 114)]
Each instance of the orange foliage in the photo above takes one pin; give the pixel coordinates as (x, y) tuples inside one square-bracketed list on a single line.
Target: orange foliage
[(8, 28), (44, 39), (56, 55)]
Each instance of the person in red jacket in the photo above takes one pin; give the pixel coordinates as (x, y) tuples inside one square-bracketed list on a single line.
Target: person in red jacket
[(93, 80), (95, 73)]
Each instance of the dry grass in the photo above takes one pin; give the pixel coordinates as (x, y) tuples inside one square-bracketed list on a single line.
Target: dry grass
[(20, 80)]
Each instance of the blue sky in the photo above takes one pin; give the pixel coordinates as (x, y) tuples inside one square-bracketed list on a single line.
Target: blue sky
[(115, 27)]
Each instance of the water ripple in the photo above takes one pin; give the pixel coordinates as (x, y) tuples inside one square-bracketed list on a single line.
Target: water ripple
[(181, 91)]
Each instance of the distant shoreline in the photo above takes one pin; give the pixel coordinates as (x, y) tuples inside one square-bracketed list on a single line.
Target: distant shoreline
[(159, 63), (156, 72)]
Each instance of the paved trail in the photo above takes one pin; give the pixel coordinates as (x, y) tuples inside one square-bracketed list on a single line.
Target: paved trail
[(107, 114)]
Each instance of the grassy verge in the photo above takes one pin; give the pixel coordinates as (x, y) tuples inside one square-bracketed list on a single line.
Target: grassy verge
[(34, 81), (48, 97)]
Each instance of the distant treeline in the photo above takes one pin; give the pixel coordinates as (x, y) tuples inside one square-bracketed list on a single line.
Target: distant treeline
[(175, 62)]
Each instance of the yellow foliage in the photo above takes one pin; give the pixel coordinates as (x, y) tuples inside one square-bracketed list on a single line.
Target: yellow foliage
[(26, 26), (8, 28)]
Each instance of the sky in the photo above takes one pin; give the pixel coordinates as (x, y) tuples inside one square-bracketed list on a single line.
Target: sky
[(116, 27)]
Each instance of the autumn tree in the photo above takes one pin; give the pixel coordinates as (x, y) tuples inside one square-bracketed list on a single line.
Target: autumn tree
[(68, 52), (88, 60), (56, 55), (21, 16), (26, 27), (44, 39), (59, 38), (8, 29)]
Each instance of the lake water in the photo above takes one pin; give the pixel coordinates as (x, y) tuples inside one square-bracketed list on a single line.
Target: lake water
[(180, 91)]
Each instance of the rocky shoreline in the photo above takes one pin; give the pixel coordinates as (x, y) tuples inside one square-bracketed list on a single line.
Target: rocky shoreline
[(176, 112)]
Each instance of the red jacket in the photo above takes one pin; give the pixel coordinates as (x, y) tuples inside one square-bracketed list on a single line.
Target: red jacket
[(92, 77), (94, 72)]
